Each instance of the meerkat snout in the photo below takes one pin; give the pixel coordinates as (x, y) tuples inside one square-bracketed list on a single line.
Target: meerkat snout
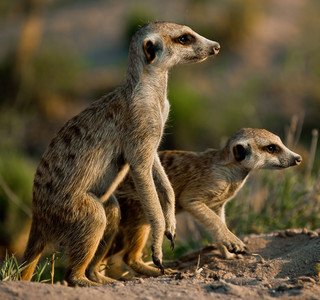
[(297, 159), (216, 48)]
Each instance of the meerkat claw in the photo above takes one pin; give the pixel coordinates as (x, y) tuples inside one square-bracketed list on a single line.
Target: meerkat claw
[(245, 251), (158, 263), (171, 238), (162, 269), (172, 244)]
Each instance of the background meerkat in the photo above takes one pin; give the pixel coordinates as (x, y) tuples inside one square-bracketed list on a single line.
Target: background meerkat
[(73, 185), (203, 183)]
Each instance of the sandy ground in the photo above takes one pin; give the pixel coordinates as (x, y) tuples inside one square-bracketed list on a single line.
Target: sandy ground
[(279, 265)]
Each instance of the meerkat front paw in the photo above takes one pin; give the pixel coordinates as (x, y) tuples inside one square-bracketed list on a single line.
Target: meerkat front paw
[(228, 255), (231, 243)]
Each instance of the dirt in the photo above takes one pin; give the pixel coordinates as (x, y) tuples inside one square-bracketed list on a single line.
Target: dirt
[(278, 265)]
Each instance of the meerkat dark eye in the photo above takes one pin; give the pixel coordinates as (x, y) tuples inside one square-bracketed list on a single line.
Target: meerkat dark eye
[(185, 39), (271, 148)]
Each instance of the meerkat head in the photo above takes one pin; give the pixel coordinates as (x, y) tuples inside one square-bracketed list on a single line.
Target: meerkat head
[(261, 149), (163, 45)]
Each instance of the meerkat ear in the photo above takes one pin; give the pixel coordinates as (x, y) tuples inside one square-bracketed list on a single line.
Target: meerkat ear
[(239, 152), (151, 48)]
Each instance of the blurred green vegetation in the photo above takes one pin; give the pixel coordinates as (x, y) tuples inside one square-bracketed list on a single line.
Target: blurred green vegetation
[(16, 171), (275, 200), (58, 56)]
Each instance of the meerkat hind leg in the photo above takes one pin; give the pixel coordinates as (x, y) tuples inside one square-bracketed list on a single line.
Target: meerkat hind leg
[(135, 240), (83, 239), (112, 210)]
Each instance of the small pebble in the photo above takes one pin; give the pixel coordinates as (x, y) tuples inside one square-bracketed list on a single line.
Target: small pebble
[(313, 234), (180, 276), (302, 279), (281, 234), (245, 239), (283, 288), (64, 282), (290, 233)]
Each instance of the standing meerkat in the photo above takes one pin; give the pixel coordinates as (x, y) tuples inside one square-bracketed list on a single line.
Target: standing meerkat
[(203, 183), (73, 201)]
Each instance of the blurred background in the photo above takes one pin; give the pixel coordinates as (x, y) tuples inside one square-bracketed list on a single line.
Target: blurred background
[(58, 56)]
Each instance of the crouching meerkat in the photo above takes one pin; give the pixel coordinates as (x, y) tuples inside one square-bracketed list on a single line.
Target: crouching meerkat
[(203, 183), (73, 201)]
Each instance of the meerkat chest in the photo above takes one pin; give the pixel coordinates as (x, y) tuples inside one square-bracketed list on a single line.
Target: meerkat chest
[(222, 193)]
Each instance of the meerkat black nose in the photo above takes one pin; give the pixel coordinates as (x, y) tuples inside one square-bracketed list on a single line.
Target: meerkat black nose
[(298, 159), (216, 48)]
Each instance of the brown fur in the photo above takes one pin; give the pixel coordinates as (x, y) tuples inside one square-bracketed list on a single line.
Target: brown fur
[(203, 182), (73, 185)]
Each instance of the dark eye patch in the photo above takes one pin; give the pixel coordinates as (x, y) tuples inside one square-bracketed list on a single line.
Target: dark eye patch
[(185, 39)]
